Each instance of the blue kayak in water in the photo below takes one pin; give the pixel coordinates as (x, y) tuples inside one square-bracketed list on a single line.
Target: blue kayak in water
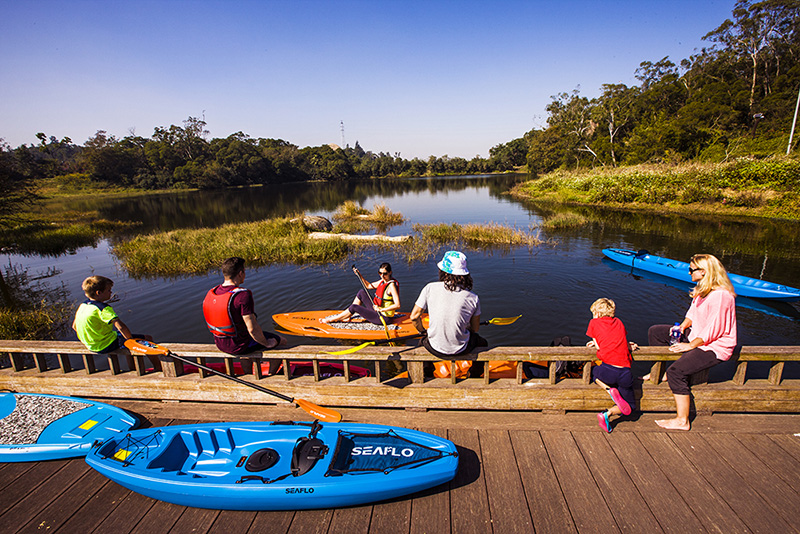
[(679, 270), (37, 427), (274, 465)]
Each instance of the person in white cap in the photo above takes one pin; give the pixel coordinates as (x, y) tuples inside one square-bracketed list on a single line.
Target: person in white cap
[(454, 311)]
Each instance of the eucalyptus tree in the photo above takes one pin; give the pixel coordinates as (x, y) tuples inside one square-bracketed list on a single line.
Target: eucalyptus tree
[(757, 32)]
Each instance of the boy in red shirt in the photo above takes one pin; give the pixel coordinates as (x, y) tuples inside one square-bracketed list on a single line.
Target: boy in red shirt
[(614, 374)]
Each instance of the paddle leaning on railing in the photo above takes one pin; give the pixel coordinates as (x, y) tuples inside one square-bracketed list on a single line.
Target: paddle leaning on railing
[(148, 348), (502, 321)]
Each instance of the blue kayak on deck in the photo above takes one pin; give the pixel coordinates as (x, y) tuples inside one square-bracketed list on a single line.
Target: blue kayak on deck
[(274, 465), (679, 270), (37, 427)]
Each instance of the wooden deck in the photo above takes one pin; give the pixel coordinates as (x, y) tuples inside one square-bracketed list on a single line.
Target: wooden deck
[(519, 472)]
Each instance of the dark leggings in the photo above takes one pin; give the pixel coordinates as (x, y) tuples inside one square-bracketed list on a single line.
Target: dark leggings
[(690, 362), (366, 310), (475, 341)]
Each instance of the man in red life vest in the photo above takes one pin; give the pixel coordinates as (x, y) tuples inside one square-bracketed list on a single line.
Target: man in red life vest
[(231, 318)]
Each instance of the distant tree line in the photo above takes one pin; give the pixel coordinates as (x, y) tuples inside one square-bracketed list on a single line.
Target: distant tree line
[(735, 98), (183, 157)]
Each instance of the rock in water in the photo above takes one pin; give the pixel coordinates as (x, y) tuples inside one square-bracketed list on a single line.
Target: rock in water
[(317, 223)]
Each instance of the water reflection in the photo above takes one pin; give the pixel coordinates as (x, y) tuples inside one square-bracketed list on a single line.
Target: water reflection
[(551, 286), (198, 209)]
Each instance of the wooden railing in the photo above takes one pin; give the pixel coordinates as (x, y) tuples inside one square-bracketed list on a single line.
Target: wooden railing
[(52, 367)]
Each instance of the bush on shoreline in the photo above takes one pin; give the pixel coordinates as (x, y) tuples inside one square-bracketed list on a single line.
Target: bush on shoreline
[(765, 188)]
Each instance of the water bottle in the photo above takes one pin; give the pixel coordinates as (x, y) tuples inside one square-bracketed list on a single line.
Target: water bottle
[(675, 334)]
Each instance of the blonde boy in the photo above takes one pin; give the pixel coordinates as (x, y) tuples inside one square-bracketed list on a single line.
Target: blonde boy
[(614, 374), (97, 324)]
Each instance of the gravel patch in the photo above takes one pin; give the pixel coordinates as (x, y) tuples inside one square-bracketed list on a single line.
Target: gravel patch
[(32, 415)]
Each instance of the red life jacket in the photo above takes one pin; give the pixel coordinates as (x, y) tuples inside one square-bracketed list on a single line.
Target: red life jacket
[(379, 299), (217, 311)]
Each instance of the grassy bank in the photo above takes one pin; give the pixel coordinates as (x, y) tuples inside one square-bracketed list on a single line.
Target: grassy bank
[(763, 188)]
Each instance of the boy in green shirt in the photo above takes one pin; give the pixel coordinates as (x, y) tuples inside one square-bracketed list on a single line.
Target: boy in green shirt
[(95, 321)]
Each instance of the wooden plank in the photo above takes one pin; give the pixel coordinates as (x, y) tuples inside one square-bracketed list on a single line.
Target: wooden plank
[(700, 497), (88, 363), (741, 373), (197, 521), (771, 453), (776, 493), (62, 508), (228, 521), (27, 483), (589, 510), (546, 502), (38, 497), (748, 505), (96, 509), (130, 510), (776, 373), (159, 518), (429, 509), (39, 362), (791, 444), (630, 511), (308, 522), (11, 472), (651, 483), (469, 503), (272, 522), (391, 516), (351, 520), (507, 503), (64, 363)]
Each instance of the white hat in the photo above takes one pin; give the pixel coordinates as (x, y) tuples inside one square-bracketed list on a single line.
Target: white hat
[(454, 262)]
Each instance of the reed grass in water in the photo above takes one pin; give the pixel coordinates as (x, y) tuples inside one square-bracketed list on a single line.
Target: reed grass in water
[(272, 241), (477, 235)]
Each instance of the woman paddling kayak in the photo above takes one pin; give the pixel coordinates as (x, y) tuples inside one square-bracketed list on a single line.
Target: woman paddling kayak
[(384, 304)]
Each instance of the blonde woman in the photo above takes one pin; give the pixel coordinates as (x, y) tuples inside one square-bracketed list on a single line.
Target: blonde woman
[(708, 333)]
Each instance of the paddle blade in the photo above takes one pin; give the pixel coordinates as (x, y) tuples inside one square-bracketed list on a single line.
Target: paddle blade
[(145, 348), (351, 350), (503, 320), (323, 414)]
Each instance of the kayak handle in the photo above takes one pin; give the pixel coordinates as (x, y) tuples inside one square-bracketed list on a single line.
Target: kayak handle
[(253, 477)]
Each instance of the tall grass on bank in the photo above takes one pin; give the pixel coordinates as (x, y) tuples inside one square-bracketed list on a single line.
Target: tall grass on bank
[(195, 251), (756, 187)]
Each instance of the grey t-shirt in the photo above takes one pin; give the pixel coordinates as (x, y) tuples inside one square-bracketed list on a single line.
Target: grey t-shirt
[(449, 313)]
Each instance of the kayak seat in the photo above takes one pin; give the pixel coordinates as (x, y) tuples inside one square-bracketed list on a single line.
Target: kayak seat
[(172, 457), (306, 453)]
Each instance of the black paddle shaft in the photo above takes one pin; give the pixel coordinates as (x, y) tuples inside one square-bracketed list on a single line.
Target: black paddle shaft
[(229, 377)]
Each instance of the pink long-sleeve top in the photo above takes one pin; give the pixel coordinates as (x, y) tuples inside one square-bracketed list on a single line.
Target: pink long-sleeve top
[(714, 321)]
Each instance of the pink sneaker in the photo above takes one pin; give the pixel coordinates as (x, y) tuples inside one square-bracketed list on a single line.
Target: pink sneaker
[(602, 420), (619, 401)]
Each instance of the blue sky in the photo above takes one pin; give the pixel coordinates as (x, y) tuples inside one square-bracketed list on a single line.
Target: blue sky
[(417, 77)]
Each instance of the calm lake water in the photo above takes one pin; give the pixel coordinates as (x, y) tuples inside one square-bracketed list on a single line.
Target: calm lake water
[(551, 285)]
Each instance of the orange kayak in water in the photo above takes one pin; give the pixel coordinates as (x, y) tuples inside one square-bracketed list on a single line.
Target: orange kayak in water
[(308, 323)]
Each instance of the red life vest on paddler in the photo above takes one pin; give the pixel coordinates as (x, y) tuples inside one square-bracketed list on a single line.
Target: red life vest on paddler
[(217, 311), (380, 291)]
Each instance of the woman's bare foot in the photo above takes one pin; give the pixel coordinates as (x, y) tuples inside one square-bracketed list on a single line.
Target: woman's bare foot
[(646, 377), (673, 424)]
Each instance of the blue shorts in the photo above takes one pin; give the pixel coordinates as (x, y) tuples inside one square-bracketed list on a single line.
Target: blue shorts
[(616, 377)]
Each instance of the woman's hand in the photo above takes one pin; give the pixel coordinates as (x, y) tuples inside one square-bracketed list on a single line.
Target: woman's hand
[(681, 347)]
